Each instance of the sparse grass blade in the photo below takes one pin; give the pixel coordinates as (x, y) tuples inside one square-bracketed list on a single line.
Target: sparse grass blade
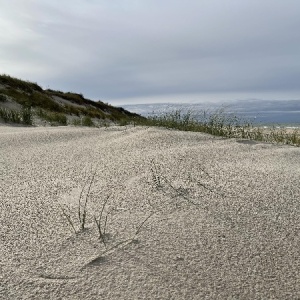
[(142, 224), (98, 221), (83, 213), (67, 215)]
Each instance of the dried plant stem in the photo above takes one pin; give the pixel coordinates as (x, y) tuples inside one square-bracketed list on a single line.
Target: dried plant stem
[(121, 243), (99, 223), (68, 217), (142, 224), (82, 213)]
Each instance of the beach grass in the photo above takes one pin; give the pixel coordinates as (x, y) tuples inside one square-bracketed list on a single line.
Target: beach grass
[(55, 118), (23, 116), (219, 123), (3, 98)]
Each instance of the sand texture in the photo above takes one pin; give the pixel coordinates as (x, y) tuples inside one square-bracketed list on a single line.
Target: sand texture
[(215, 218)]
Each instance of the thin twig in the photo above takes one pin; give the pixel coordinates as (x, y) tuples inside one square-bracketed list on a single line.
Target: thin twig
[(140, 226), (68, 217), (86, 201), (79, 201), (99, 221)]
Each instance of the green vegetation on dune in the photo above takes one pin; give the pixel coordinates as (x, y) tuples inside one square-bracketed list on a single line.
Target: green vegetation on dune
[(54, 118), (33, 99), (51, 106), (93, 109), (15, 83), (3, 98), (73, 97), (18, 117)]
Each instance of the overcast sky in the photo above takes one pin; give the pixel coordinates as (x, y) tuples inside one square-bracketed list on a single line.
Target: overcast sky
[(135, 51)]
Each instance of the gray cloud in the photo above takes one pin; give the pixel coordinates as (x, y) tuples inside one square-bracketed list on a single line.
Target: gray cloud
[(126, 49)]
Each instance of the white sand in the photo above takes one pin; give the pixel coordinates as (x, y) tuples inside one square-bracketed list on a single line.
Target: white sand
[(226, 221)]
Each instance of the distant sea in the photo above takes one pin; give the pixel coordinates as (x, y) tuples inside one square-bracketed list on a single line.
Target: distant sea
[(259, 112)]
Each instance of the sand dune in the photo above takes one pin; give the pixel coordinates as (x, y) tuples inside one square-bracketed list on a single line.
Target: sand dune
[(216, 218)]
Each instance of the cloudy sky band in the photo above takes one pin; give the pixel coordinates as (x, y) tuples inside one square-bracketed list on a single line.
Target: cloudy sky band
[(118, 51)]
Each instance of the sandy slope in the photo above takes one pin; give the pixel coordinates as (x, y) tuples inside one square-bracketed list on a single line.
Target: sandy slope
[(225, 223)]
